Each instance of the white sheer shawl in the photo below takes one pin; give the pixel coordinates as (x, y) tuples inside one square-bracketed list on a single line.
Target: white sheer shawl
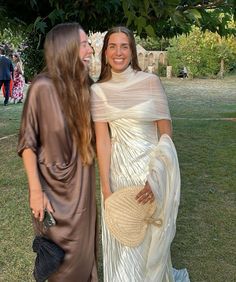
[(126, 94)]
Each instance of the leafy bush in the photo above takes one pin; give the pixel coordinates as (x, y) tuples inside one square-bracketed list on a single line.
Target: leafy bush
[(204, 54), (15, 38), (12, 38), (33, 57), (153, 44), (161, 70)]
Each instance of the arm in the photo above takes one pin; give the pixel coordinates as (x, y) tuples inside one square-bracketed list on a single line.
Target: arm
[(103, 143), (12, 70), (164, 127), (19, 67), (37, 198)]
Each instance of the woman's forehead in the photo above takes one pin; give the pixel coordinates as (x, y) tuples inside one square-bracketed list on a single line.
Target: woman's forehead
[(83, 36), (118, 37)]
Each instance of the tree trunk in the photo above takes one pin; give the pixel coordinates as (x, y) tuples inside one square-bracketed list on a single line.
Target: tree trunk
[(222, 68)]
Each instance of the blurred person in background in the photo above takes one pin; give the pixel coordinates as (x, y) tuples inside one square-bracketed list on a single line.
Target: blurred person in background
[(18, 80), (6, 74)]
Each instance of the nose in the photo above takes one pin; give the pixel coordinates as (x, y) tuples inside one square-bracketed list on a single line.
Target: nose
[(118, 51)]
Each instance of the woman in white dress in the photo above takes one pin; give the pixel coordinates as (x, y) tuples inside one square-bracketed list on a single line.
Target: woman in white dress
[(133, 136)]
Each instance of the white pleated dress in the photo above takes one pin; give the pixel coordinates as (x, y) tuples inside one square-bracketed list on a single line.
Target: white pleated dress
[(131, 102)]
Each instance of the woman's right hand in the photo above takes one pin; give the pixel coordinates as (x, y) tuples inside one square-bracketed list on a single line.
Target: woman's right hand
[(38, 203)]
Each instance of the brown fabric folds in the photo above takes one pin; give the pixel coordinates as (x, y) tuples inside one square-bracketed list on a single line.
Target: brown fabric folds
[(69, 185)]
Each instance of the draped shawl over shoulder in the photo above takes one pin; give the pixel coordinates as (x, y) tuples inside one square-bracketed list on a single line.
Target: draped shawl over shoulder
[(126, 94)]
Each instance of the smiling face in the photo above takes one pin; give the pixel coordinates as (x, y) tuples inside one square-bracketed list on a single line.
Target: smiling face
[(118, 52), (85, 50)]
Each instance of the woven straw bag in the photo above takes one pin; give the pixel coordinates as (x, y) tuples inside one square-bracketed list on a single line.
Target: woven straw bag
[(126, 219)]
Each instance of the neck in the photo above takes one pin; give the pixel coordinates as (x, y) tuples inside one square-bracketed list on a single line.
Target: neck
[(122, 76)]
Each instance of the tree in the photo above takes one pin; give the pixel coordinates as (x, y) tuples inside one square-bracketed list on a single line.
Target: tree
[(155, 18), (205, 54), (153, 43), (162, 18)]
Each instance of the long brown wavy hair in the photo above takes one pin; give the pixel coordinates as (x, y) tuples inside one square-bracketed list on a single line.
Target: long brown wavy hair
[(105, 74), (72, 82)]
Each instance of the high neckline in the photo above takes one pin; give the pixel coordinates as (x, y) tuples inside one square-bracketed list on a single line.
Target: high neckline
[(122, 76)]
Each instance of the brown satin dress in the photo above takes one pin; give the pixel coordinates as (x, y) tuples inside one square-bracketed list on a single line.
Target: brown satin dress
[(69, 185)]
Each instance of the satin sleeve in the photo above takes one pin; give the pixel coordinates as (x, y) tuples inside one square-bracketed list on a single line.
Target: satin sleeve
[(29, 129)]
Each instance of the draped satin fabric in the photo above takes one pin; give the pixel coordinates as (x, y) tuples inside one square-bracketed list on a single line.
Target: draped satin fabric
[(69, 185), (131, 102)]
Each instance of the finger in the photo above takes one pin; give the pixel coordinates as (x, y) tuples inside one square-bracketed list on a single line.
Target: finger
[(147, 199), (41, 215), (49, 207), (143, 198), (151, 199), (142, 193), (35, 214)]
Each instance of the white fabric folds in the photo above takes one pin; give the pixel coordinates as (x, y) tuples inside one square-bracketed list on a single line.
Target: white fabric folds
[(129, 93), (131, 102)]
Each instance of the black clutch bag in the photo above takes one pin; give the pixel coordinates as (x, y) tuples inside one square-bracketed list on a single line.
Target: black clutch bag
[(49, 258)]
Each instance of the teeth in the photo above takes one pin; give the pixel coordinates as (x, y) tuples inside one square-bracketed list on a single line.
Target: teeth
[(118, 60)]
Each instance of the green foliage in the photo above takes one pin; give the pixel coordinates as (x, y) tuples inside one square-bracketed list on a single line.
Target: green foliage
[(171, 17), (149, 18), (161, 70), (12, 37), (201, 53), (152, 44), (166, 18), (32, 57)]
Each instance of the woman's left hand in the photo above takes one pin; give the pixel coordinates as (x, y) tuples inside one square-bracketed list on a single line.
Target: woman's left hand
[(145, 195)]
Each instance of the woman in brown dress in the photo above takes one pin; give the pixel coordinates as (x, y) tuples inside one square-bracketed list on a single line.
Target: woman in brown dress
[(56, 146)]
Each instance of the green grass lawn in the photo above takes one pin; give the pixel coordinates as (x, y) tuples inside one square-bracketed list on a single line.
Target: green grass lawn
[(204, 134)]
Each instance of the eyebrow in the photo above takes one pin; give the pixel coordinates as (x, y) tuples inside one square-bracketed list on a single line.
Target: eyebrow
[(117, 44)]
